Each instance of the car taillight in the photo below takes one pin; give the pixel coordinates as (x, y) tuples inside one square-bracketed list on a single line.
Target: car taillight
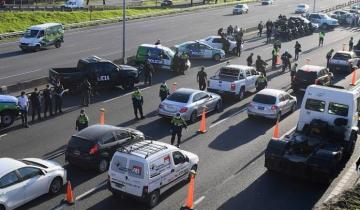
[(273, 107), (184, 109), (316, 81), (145, 189), (94, 149), (233, 86)]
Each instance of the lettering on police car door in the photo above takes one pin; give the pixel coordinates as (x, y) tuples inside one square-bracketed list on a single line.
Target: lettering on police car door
[(103, 78)]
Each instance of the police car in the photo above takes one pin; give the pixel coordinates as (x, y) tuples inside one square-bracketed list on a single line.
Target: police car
[(200, 50), (216, 42)]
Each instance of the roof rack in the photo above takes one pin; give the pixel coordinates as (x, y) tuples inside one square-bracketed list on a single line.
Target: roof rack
[(142, 147)]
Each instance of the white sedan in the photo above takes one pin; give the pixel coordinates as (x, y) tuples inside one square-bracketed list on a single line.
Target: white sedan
[(215, 42), (301, 8), (24, 180)]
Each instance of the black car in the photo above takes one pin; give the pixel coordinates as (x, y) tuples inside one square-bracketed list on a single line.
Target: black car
[(343, 61), (94, 146), (166, 3), (309, 75)]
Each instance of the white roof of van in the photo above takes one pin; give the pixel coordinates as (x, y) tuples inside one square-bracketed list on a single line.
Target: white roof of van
[(321, 89), (43, 26)]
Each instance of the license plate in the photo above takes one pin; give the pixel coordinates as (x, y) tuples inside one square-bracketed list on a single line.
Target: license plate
[(261, 108), (76, 152)]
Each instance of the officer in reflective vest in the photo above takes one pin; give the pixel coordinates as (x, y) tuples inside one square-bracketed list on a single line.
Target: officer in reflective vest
[(177, 124), (261, 82), (164, 91), (321, 38), (137, 100), (82, 121)]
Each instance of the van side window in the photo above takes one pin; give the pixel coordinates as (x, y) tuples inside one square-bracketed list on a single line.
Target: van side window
[(118, 164), (338, 109), (41, 33), (107, 138), (178, 157), (136, 169), (248, 74), (315, 105)]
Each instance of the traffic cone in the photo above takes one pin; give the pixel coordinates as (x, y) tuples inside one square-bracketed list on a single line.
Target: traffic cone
[(276, 134), (202, 128), (173, 87), (190, 197), (353, 77), (277, 62), (102, 116), (69, 194)]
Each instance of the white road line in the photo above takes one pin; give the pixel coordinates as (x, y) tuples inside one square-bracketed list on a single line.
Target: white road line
[(90, 191), (16, 75), (199, 200), (55, 155), (3, 135), (112, 99), (223, 120)]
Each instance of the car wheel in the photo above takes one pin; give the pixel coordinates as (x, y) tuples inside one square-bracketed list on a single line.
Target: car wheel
[(129, 85), (55, 186), (7, 118), (217, 57), (219, 107), (103, 165), (153, 198), (58, 44), (193, 117), (2, 207), (241, 94)]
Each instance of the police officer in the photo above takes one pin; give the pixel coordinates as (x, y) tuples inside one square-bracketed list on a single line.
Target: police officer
[(285, 58), (297, 50), (23, 103), (35, 104), (261, 82), (328, 57), (138, 100), (164, 91), (239, 42), (85, 92), (82, 121), (58, 91), (47, 96), (293, 71), (260, 65), (148, 72), (275, 54), (351, 44), (177, 124), (183, 60), (249, 59), (260, 28), (176, 61), (201, 78), (321, 38), (157, 42)]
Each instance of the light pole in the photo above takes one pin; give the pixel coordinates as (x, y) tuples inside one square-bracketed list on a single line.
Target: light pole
[(314, 6), (124, 22)]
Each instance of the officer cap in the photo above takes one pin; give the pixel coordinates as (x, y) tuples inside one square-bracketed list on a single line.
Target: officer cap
[(178, 114), (82, 111)]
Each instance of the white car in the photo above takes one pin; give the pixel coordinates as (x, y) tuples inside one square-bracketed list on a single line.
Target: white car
[(240, 9), (266, 2), (301, 8), (24, 180), (323, 20), (356, 6), (215, 42)]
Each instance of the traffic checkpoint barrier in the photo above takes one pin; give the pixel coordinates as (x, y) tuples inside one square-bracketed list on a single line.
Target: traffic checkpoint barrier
[(102, 116), (189, 204)]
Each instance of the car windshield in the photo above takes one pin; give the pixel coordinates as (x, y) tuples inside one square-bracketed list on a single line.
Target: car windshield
[(306, 75), (239, 6), (179, 97), (301, 6), (342, 56), (264, 99), (31, 33)]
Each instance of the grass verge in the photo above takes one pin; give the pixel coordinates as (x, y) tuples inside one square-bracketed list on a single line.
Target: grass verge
[(349, 199)]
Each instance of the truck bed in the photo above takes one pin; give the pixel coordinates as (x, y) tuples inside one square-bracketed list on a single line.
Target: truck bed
[(64, 70), (224, 78)]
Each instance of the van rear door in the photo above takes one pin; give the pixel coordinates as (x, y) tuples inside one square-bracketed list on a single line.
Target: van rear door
[(135, 177), (118, 172)]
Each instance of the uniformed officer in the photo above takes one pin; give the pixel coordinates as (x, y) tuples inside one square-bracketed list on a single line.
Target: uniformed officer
[(35, 104), (275, 54), (183, 60), (249, 59), (201, 78), (82, 121), (328, 57), (261, 82), (177, 124), (47, 96), (293, 71), (85, 92), (164, 91), (148, 72), (59, 91), (138, 100), (260, 65), (321, 38), (297, 50), (351, 44)]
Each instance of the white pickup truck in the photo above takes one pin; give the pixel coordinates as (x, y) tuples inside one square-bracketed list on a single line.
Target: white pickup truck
[(233, 80)]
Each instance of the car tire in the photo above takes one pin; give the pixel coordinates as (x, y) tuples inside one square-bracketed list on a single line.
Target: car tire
[(193, 117), (129, 84), (219, 107), (103, 165), (241, 94), (217, 58), (2, 207), (55, 186), (58, 44), (153, 198), (7, 118)]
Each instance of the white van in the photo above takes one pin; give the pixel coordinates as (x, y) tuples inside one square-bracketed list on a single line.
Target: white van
[(72, 4), (146, 169), (40, 36)]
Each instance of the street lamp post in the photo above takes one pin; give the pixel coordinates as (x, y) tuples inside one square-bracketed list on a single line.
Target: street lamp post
[(124, 22), (314, 5)]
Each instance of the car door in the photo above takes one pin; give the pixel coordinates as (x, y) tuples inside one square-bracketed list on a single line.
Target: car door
[(194, 51), (108, 145), (166, 60), (288, 102), (12, 190), (199, 101), (161, 172), (216, 43), (206, 51), (249, 80), (36, 183), (181, 166)]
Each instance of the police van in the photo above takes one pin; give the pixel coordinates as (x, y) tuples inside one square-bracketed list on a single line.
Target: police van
[(146, 169), (41, 36)]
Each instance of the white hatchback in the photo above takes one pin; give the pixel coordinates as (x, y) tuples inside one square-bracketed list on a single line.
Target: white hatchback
[(301, 8), (24, 180)]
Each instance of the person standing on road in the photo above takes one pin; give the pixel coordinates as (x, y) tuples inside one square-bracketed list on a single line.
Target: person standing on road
[(138, 101), (260, 28), (23, 103), (249, 59), (47, 96), (239, 43), (261, 82), (148, 72), (275, 54), (293, 72), (85, 92), (321, 38), (177, 124), (297, 50), (328, 57), (286, 61), (260, 65), (82, 121), (351, 44), (59, 91), (35, 104), (164, 91), (201, 78)]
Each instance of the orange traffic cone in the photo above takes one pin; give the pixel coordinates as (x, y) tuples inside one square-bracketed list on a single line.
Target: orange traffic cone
[(173, 87), (202, 128), (276, 134), (102, 116), (353, 77), (69, 194), (190, 197), (277, 62)]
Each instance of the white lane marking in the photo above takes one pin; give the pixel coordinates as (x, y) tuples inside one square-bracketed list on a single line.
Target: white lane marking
[(223, 120), (16, 75), (199, 200), (91, 191), (3, 135), (112, 99), (56, 155)]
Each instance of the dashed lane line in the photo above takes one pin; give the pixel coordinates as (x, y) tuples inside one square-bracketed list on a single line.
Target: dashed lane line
[(16, 75), (199, 200)]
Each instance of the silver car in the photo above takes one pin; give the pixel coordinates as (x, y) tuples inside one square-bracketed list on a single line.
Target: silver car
[(189, 103), (271, 103)]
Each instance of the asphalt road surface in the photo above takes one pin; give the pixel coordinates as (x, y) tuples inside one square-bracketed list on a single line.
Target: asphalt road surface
[(231, 173), (106, 41)]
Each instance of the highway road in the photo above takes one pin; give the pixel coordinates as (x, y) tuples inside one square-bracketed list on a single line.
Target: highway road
[(231, 174), (106, 41)]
